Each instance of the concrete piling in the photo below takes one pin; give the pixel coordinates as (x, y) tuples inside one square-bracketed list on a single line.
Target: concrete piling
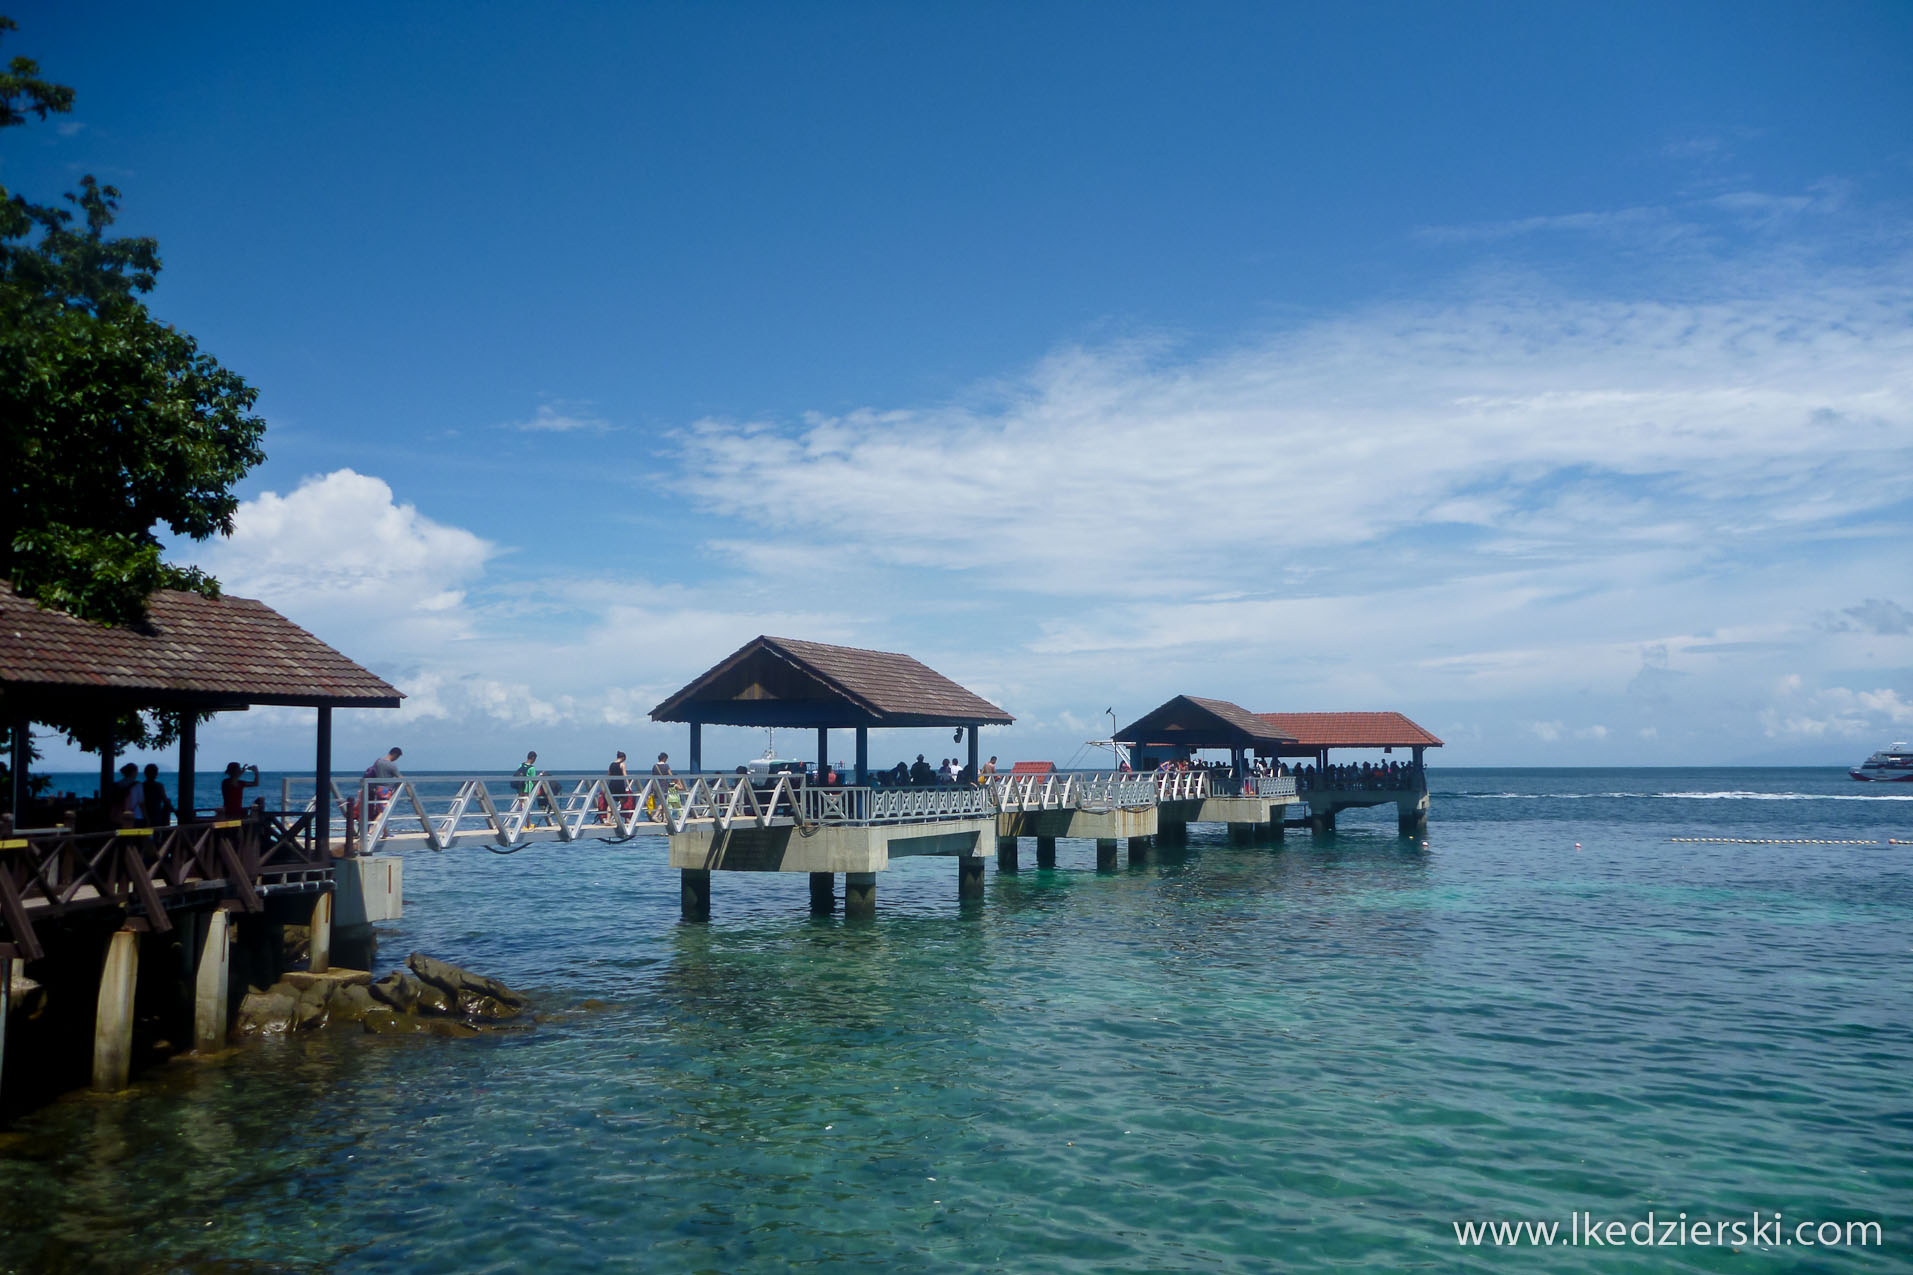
[(113, 1015), (319, 948), (1006, 854), (1142, 851), (694, 889), (860, 895), (211, 983), (1105, 854), (969, 877), (1241, 834), (823, 893), (1046, 852)]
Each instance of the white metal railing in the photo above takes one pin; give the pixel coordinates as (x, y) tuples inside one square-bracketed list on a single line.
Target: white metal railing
[(1095, 790), (860, 805)]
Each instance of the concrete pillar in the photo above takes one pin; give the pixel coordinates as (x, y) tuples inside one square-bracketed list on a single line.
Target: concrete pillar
[(319, 958), (1321, 825), (860, 895), (1173, 832), (695, 894), (1105, 854), (1241, 834), (1410, 821), (1276, 828), (210, 983), (1142, 850), (823, 893), (969, 877), (1046, 852), (1006, 854), (113, 1016)]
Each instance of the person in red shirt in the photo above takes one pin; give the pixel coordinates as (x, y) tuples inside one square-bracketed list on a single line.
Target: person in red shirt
[(232, 789)]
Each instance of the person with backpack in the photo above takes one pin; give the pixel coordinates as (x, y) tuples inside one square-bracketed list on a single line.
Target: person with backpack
[(527, 776)]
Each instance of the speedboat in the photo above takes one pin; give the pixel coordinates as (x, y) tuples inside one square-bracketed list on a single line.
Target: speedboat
[(1890, 765)]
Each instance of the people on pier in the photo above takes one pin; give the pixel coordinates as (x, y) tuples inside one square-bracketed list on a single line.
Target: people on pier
[(158, 806), (920, 774), (232, 789), (128, 800), (989, 768), (618, 785)]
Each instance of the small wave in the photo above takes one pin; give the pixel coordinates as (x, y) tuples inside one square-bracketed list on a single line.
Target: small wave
[(1678, 796)]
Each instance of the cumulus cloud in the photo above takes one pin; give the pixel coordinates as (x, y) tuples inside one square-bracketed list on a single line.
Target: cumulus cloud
[(342, 556), (1835, 711)]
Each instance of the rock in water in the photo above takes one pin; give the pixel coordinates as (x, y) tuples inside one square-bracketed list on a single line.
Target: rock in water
[(400, 989), (455, 980), (269, 1011)]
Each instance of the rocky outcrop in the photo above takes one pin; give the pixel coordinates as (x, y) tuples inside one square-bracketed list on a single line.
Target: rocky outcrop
[(430, 996)]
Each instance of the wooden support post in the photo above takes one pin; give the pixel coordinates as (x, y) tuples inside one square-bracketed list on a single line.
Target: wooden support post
[(106, 772), (113, 1016), (823, 752), (695, 893), (22, 732), (210, 983), (975, 769), (863, 755), (322, 796), (1006, 854), (969, 877), (823, 893), (188, 763), (319, 945), (6, 1011), (697, 747), (860, 895), (1046, 852), (1105, 854)]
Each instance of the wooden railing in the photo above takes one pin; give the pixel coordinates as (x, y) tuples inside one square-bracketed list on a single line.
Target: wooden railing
[(52, 872)]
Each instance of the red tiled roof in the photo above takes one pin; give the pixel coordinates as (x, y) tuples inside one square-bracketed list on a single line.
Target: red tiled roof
[(229, 649), (846, 683), (1350, 730)]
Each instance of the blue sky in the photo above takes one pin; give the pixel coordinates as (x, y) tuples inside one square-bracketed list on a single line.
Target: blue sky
[(1541, 371)]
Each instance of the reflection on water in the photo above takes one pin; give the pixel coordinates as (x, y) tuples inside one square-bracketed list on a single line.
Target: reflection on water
[(1285, 1057)]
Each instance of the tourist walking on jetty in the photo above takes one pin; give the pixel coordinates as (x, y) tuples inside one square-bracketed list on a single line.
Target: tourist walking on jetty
[(128, 802), (527, 776), (385, 767), (619, 785)]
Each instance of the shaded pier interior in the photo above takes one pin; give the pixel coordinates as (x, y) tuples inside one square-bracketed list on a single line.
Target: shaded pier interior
[(129, 936)]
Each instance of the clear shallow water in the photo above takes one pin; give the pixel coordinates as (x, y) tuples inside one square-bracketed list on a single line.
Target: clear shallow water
[(1305, 1057)]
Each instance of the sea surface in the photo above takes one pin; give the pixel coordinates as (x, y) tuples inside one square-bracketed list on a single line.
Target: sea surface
[(1310, 1055)]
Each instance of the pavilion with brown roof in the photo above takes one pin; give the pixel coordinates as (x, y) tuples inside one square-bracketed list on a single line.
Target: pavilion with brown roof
[(1191, 722), (1314, 734), (772, 681), (195, 654)]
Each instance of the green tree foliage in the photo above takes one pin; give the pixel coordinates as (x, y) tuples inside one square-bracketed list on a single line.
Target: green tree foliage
[(112, 423)]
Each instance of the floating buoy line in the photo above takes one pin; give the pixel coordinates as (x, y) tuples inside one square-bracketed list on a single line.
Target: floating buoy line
[(1786, 841)]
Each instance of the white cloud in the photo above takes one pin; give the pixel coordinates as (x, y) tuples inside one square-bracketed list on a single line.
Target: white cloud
[(1548, 732), (563, 419)]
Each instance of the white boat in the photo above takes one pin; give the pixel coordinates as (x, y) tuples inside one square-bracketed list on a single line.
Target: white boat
[(1891, 765)]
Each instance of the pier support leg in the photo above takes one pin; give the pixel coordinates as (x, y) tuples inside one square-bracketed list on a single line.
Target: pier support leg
[(113, 1019), (1046, 852), (210, 983), (1241, 834), (1277, 827), (1006, 854), (1142, 851), (1411, 823), (1105, 854), (694, 892), (969, 877), (823, 893), (1321, 825), (860, 895), (319, 950), (1173, 832)]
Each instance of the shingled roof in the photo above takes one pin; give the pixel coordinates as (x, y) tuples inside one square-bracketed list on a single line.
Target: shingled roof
[(1314, 731), (1192, 721), (195, 650), (772, 681)]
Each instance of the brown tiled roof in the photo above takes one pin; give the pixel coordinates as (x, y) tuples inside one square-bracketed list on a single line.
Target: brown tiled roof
[(854, 686), (194, 648), (1350, 730), (1195, 722)]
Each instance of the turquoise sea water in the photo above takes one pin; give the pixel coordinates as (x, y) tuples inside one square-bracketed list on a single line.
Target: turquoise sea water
[(1307, 1056)]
